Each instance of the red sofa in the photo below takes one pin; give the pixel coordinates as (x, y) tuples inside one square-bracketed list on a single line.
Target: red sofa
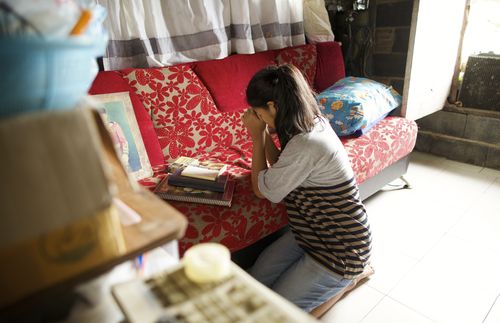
[(195, 110)]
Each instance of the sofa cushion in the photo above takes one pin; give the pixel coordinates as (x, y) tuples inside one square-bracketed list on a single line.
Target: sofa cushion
[(329, 65), (355, 104), (227, 79), (111, 82), (183, 112), (249, 218), (387, 142), (303, 57)]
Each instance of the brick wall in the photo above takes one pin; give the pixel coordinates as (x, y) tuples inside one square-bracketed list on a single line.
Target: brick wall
[(379, 42), (391, 37)]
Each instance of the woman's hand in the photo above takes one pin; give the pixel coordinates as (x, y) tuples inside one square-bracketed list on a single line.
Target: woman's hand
[(255, 126)]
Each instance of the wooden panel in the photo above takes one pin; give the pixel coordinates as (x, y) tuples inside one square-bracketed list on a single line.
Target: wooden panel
[(435, 37)]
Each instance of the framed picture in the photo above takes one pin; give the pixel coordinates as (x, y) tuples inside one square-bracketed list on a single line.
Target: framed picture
[(118, 114)]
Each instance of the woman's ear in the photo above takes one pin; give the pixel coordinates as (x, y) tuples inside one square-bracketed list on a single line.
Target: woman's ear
[(272, 107)]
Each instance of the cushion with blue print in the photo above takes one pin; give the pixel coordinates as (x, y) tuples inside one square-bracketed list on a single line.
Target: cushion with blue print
[(355, 104)]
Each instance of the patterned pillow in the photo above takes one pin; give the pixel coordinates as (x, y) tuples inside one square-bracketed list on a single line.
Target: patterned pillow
[(183, 113), (303, 57), (355, 104)]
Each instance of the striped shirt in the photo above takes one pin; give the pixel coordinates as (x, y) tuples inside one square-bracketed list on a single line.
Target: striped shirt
[(314, 177), (331, 225)]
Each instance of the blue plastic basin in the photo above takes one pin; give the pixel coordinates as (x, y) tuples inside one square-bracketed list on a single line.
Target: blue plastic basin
[(41, 74)]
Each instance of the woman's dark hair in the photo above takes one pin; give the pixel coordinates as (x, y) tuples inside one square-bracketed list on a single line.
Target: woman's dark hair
[(294, 100)]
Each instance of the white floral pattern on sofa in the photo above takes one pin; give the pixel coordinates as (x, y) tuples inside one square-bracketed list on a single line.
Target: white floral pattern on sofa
[(250, 218), (188, 123), (183, 113)]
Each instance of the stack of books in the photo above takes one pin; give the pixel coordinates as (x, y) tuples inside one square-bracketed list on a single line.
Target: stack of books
[(191, 180)]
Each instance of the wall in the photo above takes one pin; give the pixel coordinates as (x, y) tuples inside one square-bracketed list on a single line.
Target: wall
[(392, 32), (379, 46), (380, 38)]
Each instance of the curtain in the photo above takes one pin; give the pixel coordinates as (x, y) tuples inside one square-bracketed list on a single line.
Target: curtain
[(317, 26), (145, 33)]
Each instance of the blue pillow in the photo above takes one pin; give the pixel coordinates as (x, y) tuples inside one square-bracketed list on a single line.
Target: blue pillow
[(355, 104)]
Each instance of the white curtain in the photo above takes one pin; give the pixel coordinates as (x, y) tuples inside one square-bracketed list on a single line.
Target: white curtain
[(164, 32)]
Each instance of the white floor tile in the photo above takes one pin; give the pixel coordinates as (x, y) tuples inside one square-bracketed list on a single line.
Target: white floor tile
[(390, 265), (494, 313), (452, 164), (481, 224), (353, 306), (398, 222), (456, 282), (390, 311), (436, 248), (418, 158), (491, 172)]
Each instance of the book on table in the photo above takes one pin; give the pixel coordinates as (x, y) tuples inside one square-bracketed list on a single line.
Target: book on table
[(177, 179), (188, 194), (181, 163), (191, 167)]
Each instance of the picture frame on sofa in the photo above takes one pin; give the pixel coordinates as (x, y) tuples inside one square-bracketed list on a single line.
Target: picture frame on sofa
[(118, 115)]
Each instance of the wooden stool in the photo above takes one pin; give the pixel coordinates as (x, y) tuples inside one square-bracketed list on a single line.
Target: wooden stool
[(323, 308)]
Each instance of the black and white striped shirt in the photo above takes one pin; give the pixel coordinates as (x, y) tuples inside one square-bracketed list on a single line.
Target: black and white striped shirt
[(314, 177), (331, 225)]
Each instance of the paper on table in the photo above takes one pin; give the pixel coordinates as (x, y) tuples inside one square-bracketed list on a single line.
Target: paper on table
[(126, 214), (200, 172)]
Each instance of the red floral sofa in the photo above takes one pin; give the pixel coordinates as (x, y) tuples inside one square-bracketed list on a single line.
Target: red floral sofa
[(195, 110)]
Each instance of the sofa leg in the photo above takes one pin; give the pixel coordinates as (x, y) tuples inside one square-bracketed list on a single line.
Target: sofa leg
[(402, 183), (406, 182)]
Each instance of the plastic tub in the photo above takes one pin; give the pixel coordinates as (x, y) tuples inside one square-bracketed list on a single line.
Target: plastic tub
[(40, 74)]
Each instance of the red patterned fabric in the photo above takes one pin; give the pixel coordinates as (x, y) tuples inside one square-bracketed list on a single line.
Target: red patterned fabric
[(159, 172), (227, 79), (183, 112), (303, 57), (250, 219), (387, 142), (188, 123), (330, 65), (111, 82)]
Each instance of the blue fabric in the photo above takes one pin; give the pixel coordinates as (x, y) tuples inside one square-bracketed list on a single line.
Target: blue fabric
[(355, 104), (289, 271)]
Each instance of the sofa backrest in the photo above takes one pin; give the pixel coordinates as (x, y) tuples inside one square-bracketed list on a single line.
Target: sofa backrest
[(330, 65), (182, 111), (196, 107), (226, 79)]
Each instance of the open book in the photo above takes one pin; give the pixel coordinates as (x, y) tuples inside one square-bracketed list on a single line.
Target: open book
[(191, 167)]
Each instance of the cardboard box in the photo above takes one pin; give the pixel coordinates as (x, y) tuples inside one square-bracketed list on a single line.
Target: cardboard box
[(57, 217), (60, 174), (57, 255), (52, 173)]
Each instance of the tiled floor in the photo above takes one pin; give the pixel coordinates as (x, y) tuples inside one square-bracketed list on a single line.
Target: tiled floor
[(436, 249)]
